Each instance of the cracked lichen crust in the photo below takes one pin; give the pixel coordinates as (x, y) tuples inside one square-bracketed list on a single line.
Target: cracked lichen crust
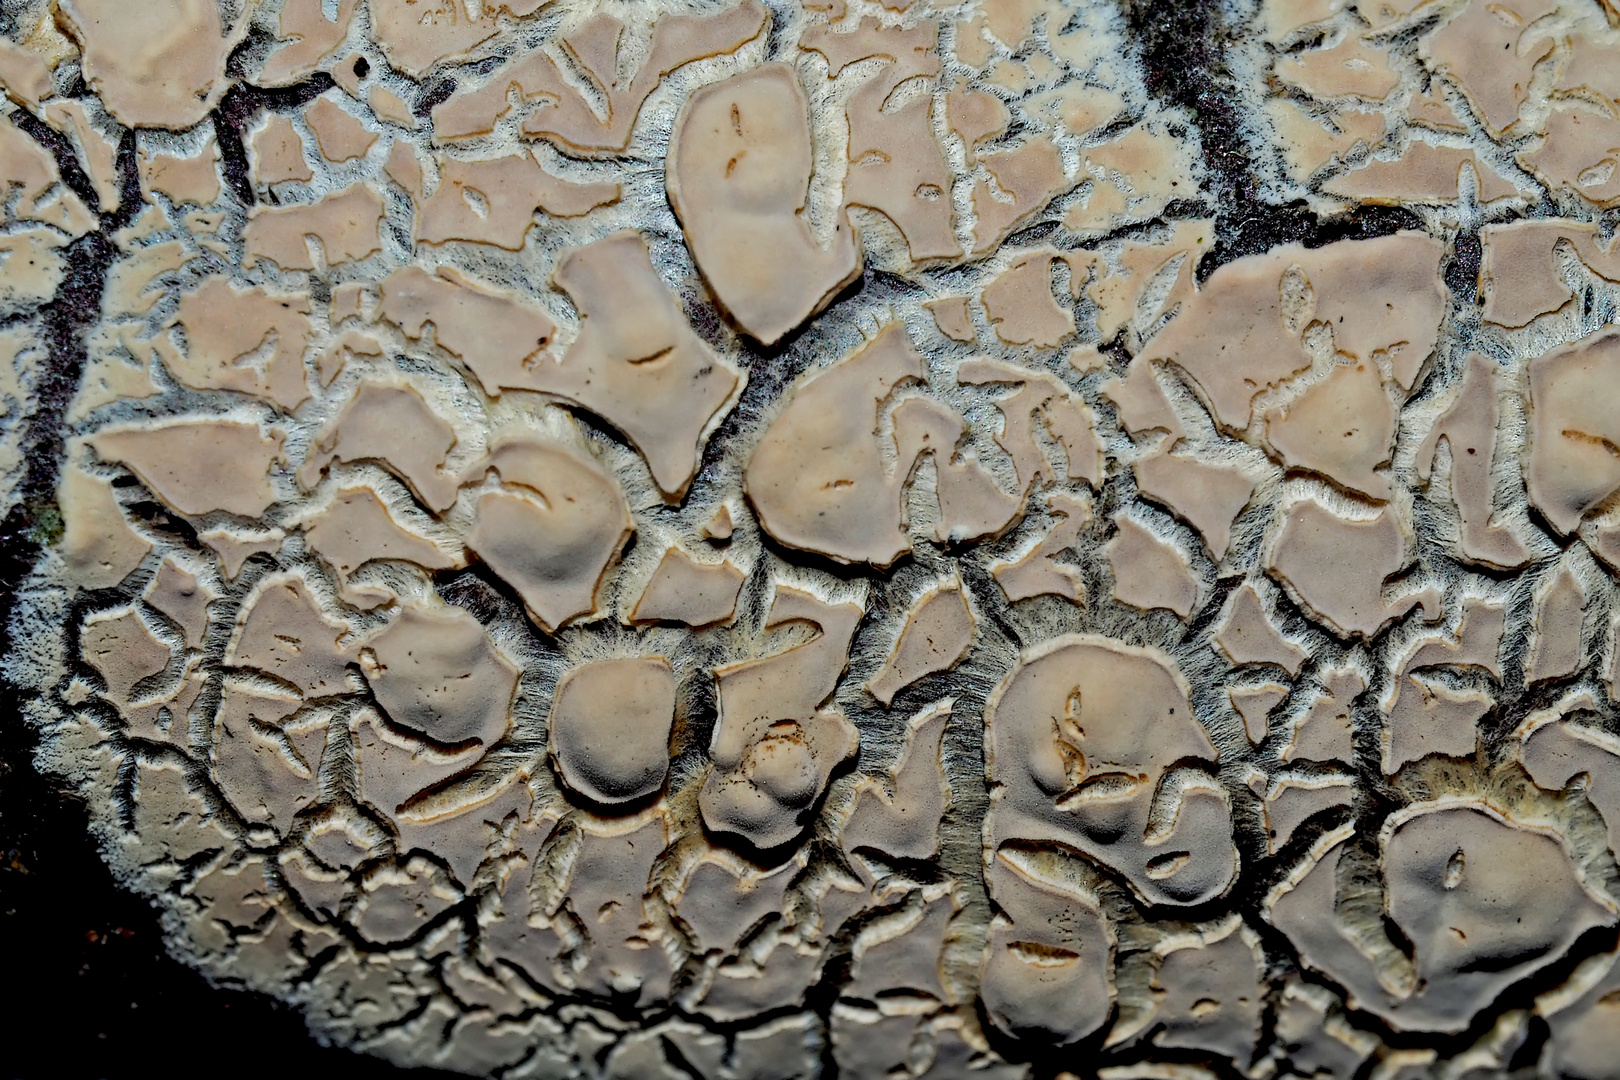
[(880, 538)]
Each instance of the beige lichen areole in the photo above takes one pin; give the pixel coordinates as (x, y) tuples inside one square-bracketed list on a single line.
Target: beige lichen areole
[(1020, 305), (417, 34), (499, 339), (184, 179), (902, 820), (1207, 496), (392, 424), (435, 672), (1038, 572), (819, 478), (1423, 173), (225, 325), (1446, 870), (276, 152), (937, 633), (1249, 637), (307, 37), (896, 166), (597, 47), (346, 225), (1337, 566), (636, 362), (357, 528), (161, 68), (1081, 734), (610, 727), (1469, 430), (1342, 427), (738, 171), (1571, 467), (756, 540), (775, 741), (1521, 273), (199, 465), (551, 529), (98, 544), (1046, 972), (1149, 572), (686, 591), (494, 201)]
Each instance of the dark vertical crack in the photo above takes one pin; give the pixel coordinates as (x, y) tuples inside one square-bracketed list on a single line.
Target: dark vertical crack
[(1184, 48)]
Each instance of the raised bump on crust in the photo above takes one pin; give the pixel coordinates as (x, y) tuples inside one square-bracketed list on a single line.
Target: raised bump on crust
[(1212, 994), (610, 726), (1337, 567), (183, 179)]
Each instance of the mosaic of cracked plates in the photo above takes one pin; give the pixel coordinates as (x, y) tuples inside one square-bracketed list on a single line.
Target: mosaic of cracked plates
[(750, 539)]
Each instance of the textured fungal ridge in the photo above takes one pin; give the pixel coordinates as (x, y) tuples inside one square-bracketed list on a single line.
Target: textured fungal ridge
[(873, 538)]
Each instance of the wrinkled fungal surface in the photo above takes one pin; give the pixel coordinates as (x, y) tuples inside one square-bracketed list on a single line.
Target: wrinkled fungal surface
[(902, 539)]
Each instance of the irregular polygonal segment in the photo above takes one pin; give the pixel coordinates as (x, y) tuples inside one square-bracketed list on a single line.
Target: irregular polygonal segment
[(610, 727), (552, 527), (775, 741), (1086, 739), (154, 68), (738, 172), (937, 633)]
